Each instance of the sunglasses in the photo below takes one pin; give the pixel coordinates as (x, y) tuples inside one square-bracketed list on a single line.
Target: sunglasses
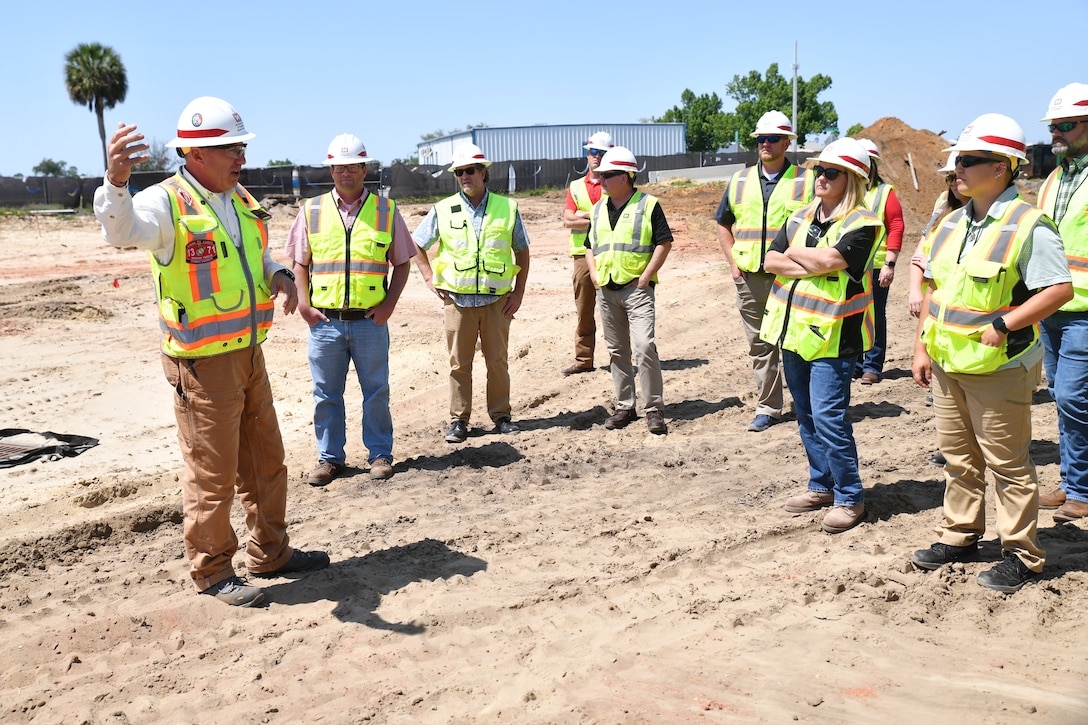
[(829, 174), (470, 170), (1063, 126), (612, 174), (768, 139), (347, 168), (969, 161), (597, 152), (236, 151), (950, 179)]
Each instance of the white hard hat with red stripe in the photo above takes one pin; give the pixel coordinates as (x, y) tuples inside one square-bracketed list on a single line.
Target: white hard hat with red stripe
[(602, 141), (847, 153), (468, 154), (210, 121), (346, 149), (1070, 101), (871, 149), (774, 123), (995, 133), (618, 158)]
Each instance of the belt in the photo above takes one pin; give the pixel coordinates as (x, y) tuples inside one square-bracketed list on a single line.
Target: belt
[(347, 315)]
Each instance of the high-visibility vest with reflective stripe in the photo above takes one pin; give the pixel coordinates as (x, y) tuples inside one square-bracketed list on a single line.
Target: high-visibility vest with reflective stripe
[(212, 296), (579, 191), (348, 273), (466, 264), (620, 255), (806, 315), (969, 295), (1073, 229), (876, 200), (757, 226)]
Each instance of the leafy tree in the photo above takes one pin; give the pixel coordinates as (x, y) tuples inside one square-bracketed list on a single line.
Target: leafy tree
[(281, 162), (439, 133), (160, 158), (49, 167), (95, 76), (855, 130), (707, 127), (756, 94)]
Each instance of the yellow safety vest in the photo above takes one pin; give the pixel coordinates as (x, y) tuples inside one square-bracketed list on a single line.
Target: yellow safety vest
[(756, 226), (806, 315), (971, 294), (466, 264), (212, 296), (1073, 229), (579, 191), (348, 273), (620, 255), (876, 200)]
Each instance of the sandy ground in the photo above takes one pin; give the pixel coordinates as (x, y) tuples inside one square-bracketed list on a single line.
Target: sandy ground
[(565, 574)]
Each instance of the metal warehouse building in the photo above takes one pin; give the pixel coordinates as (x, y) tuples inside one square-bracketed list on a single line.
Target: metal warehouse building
[(527, 143)]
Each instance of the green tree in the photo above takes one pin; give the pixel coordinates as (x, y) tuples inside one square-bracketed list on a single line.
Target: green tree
[(160, 158), (95, 76), (49, 167), (855, 130), (756, 94), (707, 127)]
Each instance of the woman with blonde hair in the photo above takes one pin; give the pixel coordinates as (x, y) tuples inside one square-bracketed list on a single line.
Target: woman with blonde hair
[(820, 313)]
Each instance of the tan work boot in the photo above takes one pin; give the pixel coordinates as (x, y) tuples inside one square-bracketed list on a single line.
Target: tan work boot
[(809, 501), (324, 472), (843, 518), (1052, 499)]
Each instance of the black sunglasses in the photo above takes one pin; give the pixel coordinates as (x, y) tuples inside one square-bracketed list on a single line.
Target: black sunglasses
[(829, 174), (1063, 126), (612, 174), (969, 161), (768, 139), (470, 170), (597, 152)]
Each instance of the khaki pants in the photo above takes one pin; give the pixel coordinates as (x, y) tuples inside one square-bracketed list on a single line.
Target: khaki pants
[(585, 303), (229, 438), (628, 320), (464, 326), (753, 289), (984, 421)]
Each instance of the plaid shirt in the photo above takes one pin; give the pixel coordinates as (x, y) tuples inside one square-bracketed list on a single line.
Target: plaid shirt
[(1074, 173)]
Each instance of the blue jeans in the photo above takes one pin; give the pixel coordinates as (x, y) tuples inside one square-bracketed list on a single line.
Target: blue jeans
[(872, 360), (821, 395), (333, 345), (1065, 357)]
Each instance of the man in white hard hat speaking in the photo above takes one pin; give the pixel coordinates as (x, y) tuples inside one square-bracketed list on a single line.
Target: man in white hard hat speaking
[(582, 194), (481, 265), (351, 251), (1064, 197), (755, 205), (215, 285)]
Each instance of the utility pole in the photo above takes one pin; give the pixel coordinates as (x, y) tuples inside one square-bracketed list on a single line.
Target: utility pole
[(795, 126)]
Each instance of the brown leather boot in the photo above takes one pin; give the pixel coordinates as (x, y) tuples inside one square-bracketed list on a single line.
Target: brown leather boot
[(1052, 499)]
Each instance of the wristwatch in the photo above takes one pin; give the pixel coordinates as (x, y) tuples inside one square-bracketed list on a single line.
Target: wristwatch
[(890, 264), (289, 273), (1000, 326)]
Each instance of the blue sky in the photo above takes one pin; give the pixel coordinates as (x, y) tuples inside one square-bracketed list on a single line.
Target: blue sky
[(300, 74)]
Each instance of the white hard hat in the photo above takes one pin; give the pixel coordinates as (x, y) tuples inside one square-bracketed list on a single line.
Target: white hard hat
[(346, 149), (950, 165), (774, 123), (995, 133), (602, 141), (618, 158), (871, 149), (468, 154), (210, 121), (849, 154), (1070, 101)]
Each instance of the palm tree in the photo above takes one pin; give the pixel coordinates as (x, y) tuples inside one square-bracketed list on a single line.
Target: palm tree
[(94, 75)]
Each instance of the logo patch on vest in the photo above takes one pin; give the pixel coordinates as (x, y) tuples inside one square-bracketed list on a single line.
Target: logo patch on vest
[(200, 252)]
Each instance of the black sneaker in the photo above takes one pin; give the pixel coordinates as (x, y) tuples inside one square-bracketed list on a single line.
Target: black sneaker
[(458, 432), (300, 561), (940, 554), (505, 426), (236, 592), (1008, 576)]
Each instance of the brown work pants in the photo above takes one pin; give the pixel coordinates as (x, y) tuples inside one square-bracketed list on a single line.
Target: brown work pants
[(464, 326), (229, 438), (585, 304)]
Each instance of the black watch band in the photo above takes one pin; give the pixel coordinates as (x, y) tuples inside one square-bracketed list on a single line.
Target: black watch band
[(1000, 326), (890, 264), (289, 273)]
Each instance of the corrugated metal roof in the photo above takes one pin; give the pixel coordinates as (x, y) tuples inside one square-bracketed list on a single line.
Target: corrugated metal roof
[(526, 143)]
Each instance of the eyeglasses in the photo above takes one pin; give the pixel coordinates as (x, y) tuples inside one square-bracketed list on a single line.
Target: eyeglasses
[(1063, 126), (829, 174), (612, 174), (950, 179), (969, 161), (346, 168), (236, 151), (470, 170), (597, 152), (768, 139)]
